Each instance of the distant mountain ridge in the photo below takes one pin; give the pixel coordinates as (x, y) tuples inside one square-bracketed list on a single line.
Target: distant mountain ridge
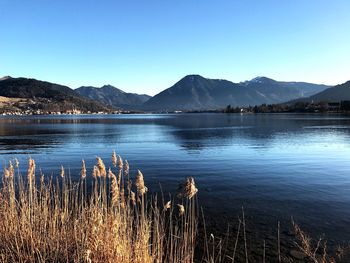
[(194, 92), (337, 93), (110, 95), (278, 91), (47, 96)]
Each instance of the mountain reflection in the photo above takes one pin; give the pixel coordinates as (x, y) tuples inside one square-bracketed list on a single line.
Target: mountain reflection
[(188, 131)]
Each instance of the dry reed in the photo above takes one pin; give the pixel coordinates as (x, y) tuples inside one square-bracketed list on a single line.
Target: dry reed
[(56, 220), (315, 251), (60, 221)]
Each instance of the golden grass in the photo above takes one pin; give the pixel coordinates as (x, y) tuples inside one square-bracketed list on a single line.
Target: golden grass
[(107, 218), (56, 220)]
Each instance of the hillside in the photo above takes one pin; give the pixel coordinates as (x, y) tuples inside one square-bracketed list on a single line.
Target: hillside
[(109, 95), (337, 93), (278, 91), (306, 89), (334, 94), (46, 96), (195, 92)]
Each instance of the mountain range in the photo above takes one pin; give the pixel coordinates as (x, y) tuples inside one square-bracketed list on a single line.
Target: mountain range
[(46, 96), (193, 92), (109, 95)]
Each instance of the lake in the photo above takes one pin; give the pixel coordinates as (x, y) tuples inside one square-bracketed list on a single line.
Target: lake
[(277, 166)]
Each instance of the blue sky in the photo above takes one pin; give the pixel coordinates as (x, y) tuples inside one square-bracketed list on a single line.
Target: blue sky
[(146, 46)]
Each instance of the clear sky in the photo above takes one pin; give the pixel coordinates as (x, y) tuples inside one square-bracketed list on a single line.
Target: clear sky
[(146, 46)]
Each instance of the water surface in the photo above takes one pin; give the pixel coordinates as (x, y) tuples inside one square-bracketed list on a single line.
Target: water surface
[(276, 166)]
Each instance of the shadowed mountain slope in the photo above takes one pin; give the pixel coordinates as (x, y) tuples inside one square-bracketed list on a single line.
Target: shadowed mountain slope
[(109, 95), (47, 96)]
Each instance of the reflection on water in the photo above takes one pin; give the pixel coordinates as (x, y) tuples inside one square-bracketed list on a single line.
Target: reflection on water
[(277, 166)]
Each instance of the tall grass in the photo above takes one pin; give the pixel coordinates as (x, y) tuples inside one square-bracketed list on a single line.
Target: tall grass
[(110, 220), (105, 217)]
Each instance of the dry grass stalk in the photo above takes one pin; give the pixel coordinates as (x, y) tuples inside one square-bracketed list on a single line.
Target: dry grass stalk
[(244, 236), (317, 253), (236, 241), (278, 242), (133, 197)]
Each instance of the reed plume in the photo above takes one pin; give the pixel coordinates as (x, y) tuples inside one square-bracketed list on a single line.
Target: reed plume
[(83, 170), (16, 163), (114, 159), (62, 171), (187, 189), (96, 172), (140, 184), (120, 162), (6, 173), (114, 188), (31, 169), (167, 205), (181, 209), (110, 174), (101, 167), (126, 167), (11, 170)]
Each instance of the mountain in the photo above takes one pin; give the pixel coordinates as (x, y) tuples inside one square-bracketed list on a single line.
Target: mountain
[(109, 95), (334, 94), (307, 89), (278, 91), (195, 92), (46, 96)]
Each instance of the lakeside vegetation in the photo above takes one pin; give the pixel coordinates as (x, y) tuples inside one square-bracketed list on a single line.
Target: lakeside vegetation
[(110, 218), (297, 107)]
